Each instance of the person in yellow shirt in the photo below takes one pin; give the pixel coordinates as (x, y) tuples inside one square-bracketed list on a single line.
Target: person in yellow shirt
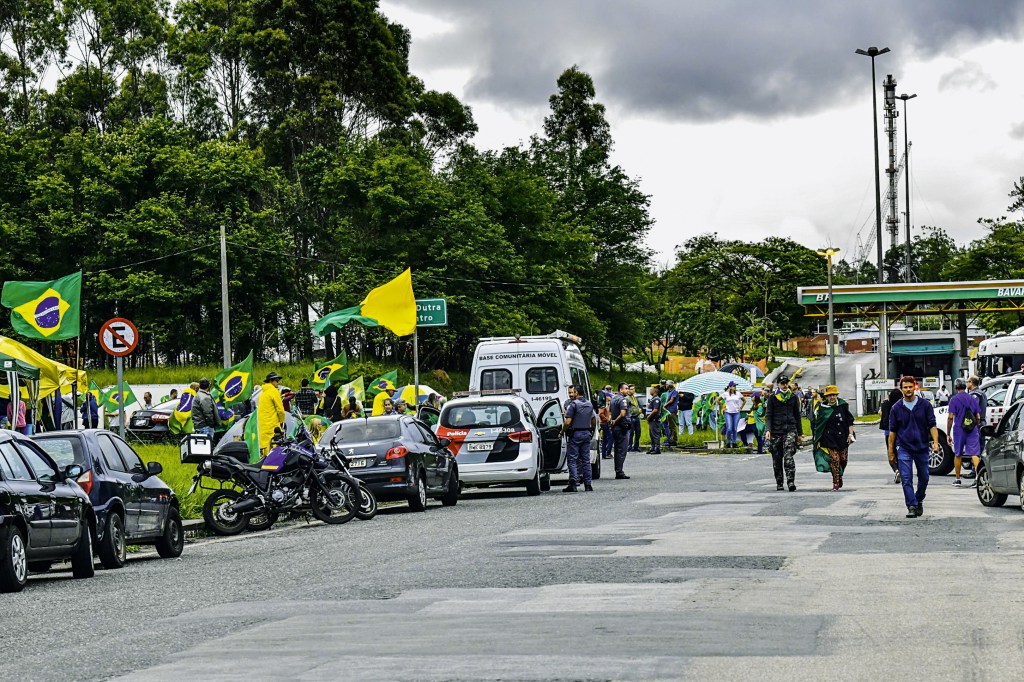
[(270, 410), (387, 389)]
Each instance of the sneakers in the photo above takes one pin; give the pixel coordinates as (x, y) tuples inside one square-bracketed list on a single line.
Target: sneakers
[(911, 512), (571, 488), (588, 488), (957, 484), (896, 478), (792, 487), (778, 486), (835, 488), (919, 510), (622, 476), (973, 484)]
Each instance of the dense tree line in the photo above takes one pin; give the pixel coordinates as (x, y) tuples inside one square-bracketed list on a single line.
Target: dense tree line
[(132, 131)]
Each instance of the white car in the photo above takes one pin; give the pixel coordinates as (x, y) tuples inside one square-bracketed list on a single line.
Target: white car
[(498, 439)]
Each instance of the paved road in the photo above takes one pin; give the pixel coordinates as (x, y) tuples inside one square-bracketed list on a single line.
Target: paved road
[(694, 569)]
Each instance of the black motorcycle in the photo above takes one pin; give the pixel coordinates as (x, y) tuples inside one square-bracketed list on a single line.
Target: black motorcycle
[(290, 478), (367, 500)]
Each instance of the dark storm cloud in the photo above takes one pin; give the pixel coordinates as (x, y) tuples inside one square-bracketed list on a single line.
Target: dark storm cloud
[(685, 60)]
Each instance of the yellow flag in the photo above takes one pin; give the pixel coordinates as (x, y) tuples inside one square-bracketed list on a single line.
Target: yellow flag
[(393, 305)]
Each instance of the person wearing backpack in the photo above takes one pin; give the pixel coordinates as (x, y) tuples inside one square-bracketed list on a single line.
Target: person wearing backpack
[(964, 426)]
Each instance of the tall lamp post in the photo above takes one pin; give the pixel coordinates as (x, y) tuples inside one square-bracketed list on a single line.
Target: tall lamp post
[(883, 323), (906, 175), (829, 253)]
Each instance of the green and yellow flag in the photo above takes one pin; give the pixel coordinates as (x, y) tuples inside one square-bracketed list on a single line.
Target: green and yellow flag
[(251, 436), (330, 372), (354, 389), (391, 305), (111, 399), (234, 384), (381, 382), (45, 310), (181, 419)]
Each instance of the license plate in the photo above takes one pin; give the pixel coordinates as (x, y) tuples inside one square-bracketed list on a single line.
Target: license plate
[(479, 447), (138, 422), (357, 463)]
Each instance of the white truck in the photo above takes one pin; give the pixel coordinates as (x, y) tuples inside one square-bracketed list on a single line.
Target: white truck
[(1000, 392), (539, 369)]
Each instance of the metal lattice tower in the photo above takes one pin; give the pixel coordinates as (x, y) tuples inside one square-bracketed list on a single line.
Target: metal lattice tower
[(892, 221)]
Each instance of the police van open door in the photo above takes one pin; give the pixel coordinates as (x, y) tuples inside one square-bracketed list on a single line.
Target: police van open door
[(549, 422)]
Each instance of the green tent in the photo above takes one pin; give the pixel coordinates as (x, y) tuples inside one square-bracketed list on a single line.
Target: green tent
[(22, 368), (14, 371)]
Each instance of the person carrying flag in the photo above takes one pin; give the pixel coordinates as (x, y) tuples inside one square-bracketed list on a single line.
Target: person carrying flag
[(269, 411), (387, 389)]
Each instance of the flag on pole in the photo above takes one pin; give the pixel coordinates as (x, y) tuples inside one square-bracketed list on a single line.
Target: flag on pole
[(251, 436), (353, 389), (111, 398), (382, 382), (391, 305), (45, 310), (181, 419), (234, 384), (330, 372)]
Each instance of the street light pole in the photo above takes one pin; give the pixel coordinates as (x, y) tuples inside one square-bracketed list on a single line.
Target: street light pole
[(883, 323), (829, 253), (906, 175)]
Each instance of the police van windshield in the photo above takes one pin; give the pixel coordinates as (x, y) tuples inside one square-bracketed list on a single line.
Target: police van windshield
[(479, 416)]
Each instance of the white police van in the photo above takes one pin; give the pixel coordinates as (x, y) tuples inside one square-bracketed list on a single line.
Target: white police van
[(537, 368)]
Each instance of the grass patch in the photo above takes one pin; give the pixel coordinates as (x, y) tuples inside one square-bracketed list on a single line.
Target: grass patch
[(175, 474)]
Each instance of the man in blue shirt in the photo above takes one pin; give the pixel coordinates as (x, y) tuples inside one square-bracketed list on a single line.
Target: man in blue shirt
[(670, 403), (911, 427)]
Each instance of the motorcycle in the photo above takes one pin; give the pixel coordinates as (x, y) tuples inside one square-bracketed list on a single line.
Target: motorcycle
[(290, 478), (367, 500)]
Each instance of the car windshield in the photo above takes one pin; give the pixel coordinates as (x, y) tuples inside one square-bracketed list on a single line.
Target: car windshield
[(363, 431), (478, 416), (64, 451)]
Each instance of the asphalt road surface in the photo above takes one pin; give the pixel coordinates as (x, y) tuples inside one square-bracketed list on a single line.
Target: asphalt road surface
[(694, 569)]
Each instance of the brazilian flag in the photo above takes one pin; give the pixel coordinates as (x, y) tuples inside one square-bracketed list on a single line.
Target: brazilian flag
[(380, 383), (45, 310), (112, 399), (251, 436), (234, 384), (227, 417), (181, 419), (329, 372)]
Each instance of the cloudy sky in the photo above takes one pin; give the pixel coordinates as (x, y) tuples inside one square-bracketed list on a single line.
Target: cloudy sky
[(752, 118)]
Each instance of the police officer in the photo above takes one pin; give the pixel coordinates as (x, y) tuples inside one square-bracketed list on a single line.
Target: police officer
[(579, 427), (620, 423)]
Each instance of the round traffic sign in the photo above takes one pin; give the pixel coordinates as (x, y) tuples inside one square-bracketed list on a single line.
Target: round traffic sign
[(119, 337)]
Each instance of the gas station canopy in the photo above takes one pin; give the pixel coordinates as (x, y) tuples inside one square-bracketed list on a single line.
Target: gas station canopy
[(925, 298)]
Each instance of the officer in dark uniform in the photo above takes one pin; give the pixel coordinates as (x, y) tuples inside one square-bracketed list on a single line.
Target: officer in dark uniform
[(580, 425), (620, 424)]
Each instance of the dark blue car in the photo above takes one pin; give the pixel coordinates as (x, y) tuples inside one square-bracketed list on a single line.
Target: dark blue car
[(133, 506)]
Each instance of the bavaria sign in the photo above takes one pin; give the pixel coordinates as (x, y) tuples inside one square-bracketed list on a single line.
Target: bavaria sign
[(431, 312)]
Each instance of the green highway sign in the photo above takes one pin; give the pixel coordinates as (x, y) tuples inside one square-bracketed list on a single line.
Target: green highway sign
[(431, 312)]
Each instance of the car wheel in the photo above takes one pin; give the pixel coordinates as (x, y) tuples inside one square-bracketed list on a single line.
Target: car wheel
[(1020, 485), (986, 495), (82, 565), (451, 495), (941, 463), (14, 560), (545, 482), (418, 499), (595, 469), (533, 485), (172, 542), (113, 550)]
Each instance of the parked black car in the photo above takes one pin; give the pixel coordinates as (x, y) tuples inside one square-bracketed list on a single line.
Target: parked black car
[(133, 506), (151, 423), (1001, 472), (398, 458), (44, 515)]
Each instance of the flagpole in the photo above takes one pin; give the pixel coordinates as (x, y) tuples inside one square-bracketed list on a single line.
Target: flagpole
[(225, 316), (78, 368), (416, 369)]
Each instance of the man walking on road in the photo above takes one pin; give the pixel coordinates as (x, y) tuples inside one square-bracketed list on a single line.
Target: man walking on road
[(964, 427), (911, 426), (619, 425), (579, 427), (973, 383), (785, 431)]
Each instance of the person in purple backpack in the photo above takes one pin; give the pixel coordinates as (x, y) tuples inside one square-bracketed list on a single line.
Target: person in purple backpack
[(963, 426)]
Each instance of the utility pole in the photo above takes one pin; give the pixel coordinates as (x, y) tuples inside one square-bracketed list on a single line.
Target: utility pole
[(225, 315), (829, 253)]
